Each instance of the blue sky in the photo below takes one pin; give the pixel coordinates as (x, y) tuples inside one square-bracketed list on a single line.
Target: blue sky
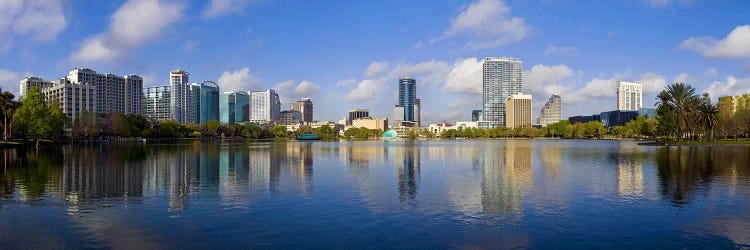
[(349, 54)]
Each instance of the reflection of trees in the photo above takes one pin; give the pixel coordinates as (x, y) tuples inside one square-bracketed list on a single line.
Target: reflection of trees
[(7, 183), (684, 171), (36, 171)]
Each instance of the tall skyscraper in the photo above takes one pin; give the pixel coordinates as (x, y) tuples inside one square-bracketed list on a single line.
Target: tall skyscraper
[(265, 106), (552, 111), (234, 107), (518, 111), (114, 93), (501, 77), (407, 110), (181, 96), (157, 103), (629, 95), (209, 102), (304, 106)]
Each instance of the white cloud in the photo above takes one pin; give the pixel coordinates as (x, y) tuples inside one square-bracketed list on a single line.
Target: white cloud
[(684, 78), (545, 80), (653, 83), (347, 82), (9, 81), (238, 80), (40, 20), (134, 24), (306, 89), (426, 73), (564, 50), (489, 22), (375, 68), (224, 7), (465, 77), (735, 45), (363, 92), (732, 86), (289, 91), (711, 72)]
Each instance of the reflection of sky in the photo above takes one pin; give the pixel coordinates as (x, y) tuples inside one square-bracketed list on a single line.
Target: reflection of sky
[(448, 193)]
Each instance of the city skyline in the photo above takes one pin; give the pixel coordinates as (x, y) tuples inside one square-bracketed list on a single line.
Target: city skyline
[(658, 43)]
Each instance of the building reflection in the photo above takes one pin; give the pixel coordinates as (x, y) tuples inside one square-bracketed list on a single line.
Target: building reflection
[(629, 177), (507, 176), (407, 160)]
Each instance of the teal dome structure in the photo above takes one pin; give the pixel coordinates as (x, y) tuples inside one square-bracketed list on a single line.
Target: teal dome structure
[(390, 134)]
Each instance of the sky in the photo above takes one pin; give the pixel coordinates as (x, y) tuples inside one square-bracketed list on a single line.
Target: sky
[(350, 54)]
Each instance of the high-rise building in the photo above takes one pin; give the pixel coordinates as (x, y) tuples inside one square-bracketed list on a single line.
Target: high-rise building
[(234, 107), (288, 117), (518, 111), (356, 114), (209, 102), (418, 111), (304, 106), (476, 115), (183, 105), (629, 95), (73, 98), (114, 93), (501, 77), (265, 106), (157, 103), (552, 111), (30, 82), (407, 101)]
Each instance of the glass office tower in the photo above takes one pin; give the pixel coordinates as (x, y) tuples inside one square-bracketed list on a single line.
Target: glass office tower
[(501, 77)]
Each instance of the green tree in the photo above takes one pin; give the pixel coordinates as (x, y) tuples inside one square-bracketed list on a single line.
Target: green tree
[(120, 126), (709, 115), (169, 129), (36, 120), (8, 107), (212, 128), (677, 102), (279, 131)]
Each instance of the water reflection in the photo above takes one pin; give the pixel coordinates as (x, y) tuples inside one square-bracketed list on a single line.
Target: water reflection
[(507, 176), (443, 193), (686, 171)]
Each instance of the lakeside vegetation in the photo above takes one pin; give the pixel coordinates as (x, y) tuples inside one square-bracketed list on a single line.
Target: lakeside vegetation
[(683, 117)]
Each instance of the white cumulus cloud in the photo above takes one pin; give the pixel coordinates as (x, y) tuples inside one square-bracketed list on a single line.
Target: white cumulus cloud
[(364, 91), (732, 86), (546, 80), (40, 20), (735, 45), (134, 24), (653, 83), (561, 50), (465, 77), (238, 80), (488, 23), (375, 68)]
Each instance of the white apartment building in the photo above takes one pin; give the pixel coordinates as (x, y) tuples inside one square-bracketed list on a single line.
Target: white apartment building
[(29, 82), (73, 98), (265, 106), (629, 95)]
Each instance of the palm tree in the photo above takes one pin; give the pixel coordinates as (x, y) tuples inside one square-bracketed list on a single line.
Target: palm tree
[(709, 115), (7, 106), (679, 100)]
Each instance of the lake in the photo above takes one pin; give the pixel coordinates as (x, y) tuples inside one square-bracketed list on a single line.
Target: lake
[(376, 194)]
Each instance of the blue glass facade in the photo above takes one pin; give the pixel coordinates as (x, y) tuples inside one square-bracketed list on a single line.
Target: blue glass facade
[(234, 107), (407, 97), (209, 102)]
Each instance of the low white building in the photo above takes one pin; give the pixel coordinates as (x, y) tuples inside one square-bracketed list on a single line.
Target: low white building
[(465, 124), (437, 129)]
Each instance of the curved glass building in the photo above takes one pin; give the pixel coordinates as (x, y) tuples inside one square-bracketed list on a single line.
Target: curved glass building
[(209, 102)]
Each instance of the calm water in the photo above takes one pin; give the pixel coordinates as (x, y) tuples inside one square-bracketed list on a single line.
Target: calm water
[(430, 194)]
